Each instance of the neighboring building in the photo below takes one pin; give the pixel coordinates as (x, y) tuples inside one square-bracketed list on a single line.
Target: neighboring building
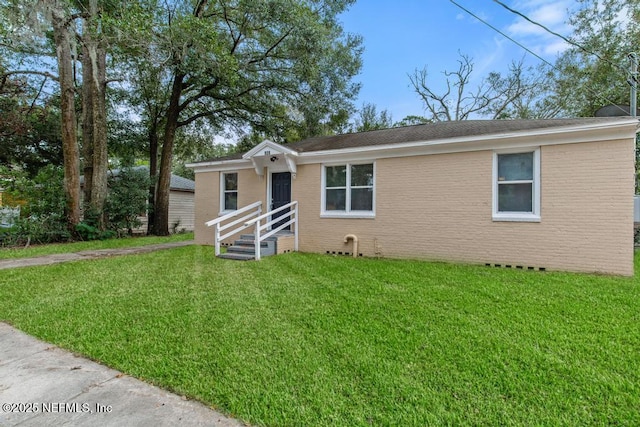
[(181, 203), (544, 194)]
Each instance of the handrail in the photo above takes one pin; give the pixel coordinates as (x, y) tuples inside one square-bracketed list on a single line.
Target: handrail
[(216, 222), (270, 213), (234, 213), (288, 218), (292, 215)]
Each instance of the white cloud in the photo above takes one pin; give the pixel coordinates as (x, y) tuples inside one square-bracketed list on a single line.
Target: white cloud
[(552, 14)]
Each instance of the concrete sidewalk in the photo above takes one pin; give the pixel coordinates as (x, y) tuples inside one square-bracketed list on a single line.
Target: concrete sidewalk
[(89, 254), (42, 385)]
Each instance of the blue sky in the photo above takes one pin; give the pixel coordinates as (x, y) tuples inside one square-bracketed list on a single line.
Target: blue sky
[(402, 35)]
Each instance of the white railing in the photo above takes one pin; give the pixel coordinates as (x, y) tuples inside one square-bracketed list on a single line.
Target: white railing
[(255, 208), (292, 214)]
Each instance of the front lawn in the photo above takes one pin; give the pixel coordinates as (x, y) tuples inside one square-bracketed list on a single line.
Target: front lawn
[(303, 339), (126, 242)]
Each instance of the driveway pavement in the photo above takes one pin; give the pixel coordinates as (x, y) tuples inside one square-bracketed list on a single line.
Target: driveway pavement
[(89, 254), (43, 385)]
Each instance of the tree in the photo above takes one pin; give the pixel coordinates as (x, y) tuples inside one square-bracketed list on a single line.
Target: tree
[(94, 111), (29, 125), (251, 63), (369, 119), (63, 37), (496, 97), (412, 120), (593, 72)]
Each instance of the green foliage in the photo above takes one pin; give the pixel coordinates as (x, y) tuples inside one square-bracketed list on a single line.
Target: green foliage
[(412, 120), (29, 126), (42, 207), (89, 232), (370, 119), (127, 199), (594, 72)]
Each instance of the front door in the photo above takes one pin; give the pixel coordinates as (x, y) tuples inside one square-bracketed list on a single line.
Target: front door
[(280, 196)]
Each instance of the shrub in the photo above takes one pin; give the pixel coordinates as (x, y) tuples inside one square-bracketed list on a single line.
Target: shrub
[(89, 232), (42, 217), (127, 199)]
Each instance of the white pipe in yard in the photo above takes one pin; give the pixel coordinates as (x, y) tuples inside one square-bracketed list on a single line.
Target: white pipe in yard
[(355, 243)]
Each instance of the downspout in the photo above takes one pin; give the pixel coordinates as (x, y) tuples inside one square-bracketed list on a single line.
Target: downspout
[(355, 243)]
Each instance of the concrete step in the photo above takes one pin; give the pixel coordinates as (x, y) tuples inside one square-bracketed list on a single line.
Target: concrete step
[(242, 249), (252, 243), (237, 256)]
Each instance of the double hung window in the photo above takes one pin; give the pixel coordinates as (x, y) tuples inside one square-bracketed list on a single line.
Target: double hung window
[(516, 191), (229, 192), (348, 190)]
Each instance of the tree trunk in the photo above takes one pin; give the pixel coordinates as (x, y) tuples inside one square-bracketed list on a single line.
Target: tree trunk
[(87, 134), (95, 126), (153, 175), (161, 227), (71, 156)]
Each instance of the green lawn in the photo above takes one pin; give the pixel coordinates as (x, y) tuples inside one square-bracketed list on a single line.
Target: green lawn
[(303, 339), (40, 250)]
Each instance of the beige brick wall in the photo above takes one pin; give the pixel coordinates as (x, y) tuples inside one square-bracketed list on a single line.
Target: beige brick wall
[(251, 188), (439, 207)]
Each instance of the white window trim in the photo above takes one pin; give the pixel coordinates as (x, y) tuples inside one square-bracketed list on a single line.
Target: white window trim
[(222, 192), (347, 213), (533, 216)]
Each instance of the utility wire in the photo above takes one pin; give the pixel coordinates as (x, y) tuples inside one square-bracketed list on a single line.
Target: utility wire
[(503, 34), (566, 39), (598, 95)]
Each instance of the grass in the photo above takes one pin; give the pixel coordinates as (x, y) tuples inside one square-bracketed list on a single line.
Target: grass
[(40, 250), (304, 339)]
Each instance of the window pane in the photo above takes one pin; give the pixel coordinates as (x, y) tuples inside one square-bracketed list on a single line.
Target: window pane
[(230, 181), (362, 199), (514, 167), (231, 201), (336, 176), (515, 197), (362, 175), (336, 200)]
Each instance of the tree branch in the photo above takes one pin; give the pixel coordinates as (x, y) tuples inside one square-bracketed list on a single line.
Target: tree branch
[(37, 73)]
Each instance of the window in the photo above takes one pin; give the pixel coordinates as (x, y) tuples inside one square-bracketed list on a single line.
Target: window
[(348, 190), (516, 191), (229, 192)]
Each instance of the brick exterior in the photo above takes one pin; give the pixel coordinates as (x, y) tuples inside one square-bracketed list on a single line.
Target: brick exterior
[(439, 207)]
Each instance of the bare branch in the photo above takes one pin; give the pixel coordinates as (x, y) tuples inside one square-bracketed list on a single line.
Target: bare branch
[(33, 72)]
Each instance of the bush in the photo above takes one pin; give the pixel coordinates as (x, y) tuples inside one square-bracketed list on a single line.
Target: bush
[(89, 232), (42, 218), (127, 199)]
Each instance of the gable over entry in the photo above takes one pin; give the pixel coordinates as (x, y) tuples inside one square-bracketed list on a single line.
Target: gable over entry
[(275, 157)]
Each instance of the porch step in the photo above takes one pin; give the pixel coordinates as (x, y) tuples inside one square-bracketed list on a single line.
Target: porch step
[(244, 248), (237, 256)]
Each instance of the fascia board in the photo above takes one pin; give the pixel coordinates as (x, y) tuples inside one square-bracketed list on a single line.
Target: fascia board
[(549, 136), (221, 166)]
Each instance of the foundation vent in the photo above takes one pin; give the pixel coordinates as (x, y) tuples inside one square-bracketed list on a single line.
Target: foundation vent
[(516, 267), (340, 253)]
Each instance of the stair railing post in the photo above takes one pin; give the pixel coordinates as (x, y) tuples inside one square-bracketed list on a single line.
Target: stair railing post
[(295, 228), (256, 235), (217, 239)]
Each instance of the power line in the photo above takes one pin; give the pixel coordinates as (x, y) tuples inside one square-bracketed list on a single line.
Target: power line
[(566, 39), (503, 34), (593, 92)]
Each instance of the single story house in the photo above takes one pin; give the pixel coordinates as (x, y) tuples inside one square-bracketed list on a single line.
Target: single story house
[(551, 194), (181, 202)]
